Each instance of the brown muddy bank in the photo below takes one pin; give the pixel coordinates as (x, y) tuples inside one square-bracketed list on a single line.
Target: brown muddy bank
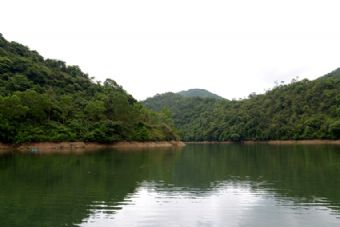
[(4, 148), (274, 142), (80, 147), (306, 142)]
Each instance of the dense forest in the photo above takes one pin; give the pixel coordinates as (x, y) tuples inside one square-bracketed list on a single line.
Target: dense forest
[(299, 110), (47, 100)]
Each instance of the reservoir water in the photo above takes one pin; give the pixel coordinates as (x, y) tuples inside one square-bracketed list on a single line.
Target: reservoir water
[(196, 186)]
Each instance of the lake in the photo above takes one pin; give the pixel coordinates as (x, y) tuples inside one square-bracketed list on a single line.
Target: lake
[(196, 186)]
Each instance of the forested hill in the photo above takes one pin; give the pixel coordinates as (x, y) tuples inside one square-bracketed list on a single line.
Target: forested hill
[(299, 110), (199, 93), (47, 100)]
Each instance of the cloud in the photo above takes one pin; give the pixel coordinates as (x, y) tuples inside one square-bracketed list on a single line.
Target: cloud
[(232, 48)]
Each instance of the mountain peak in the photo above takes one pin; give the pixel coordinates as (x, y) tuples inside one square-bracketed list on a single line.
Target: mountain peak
[(197, 92)]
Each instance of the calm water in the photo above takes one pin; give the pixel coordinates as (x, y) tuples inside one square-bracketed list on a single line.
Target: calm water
[(199, 185)]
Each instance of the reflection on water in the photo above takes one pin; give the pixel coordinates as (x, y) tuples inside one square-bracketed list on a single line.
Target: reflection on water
[(225, 205), (200, 185)]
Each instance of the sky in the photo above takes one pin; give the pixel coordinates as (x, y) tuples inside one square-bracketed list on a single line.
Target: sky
[(232, 48)]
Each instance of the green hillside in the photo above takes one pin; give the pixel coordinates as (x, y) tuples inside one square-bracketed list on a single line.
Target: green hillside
[(202, 93), (300, 110), (47, 100)]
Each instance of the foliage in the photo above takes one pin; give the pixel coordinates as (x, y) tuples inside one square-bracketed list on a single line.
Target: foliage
[(299, 110), (199, 93), (47, 100)]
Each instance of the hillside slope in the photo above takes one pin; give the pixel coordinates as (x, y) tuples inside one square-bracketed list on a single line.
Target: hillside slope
[(47, 100), (201, 93), (300, 110)]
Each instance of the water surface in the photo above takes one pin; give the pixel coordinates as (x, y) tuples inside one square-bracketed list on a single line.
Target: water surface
[(199, 185)]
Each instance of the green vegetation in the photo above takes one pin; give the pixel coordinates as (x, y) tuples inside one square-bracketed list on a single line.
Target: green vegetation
[(46, 100), (299, 110), (199, 93)]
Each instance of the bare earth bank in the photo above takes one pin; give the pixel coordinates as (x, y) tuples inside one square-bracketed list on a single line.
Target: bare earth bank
[(79, 147), (275, 142)]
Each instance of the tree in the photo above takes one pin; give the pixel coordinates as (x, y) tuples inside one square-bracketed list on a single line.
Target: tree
[(95, 110)]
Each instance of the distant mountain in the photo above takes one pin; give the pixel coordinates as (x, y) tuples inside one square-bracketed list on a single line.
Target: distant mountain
[(202, 93), (300, 110)]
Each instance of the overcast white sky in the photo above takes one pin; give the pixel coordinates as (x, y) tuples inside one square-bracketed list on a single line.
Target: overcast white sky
[(231, 48)]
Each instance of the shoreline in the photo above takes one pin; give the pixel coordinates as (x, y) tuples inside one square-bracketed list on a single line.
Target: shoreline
[(273, 142), (80, 147)]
